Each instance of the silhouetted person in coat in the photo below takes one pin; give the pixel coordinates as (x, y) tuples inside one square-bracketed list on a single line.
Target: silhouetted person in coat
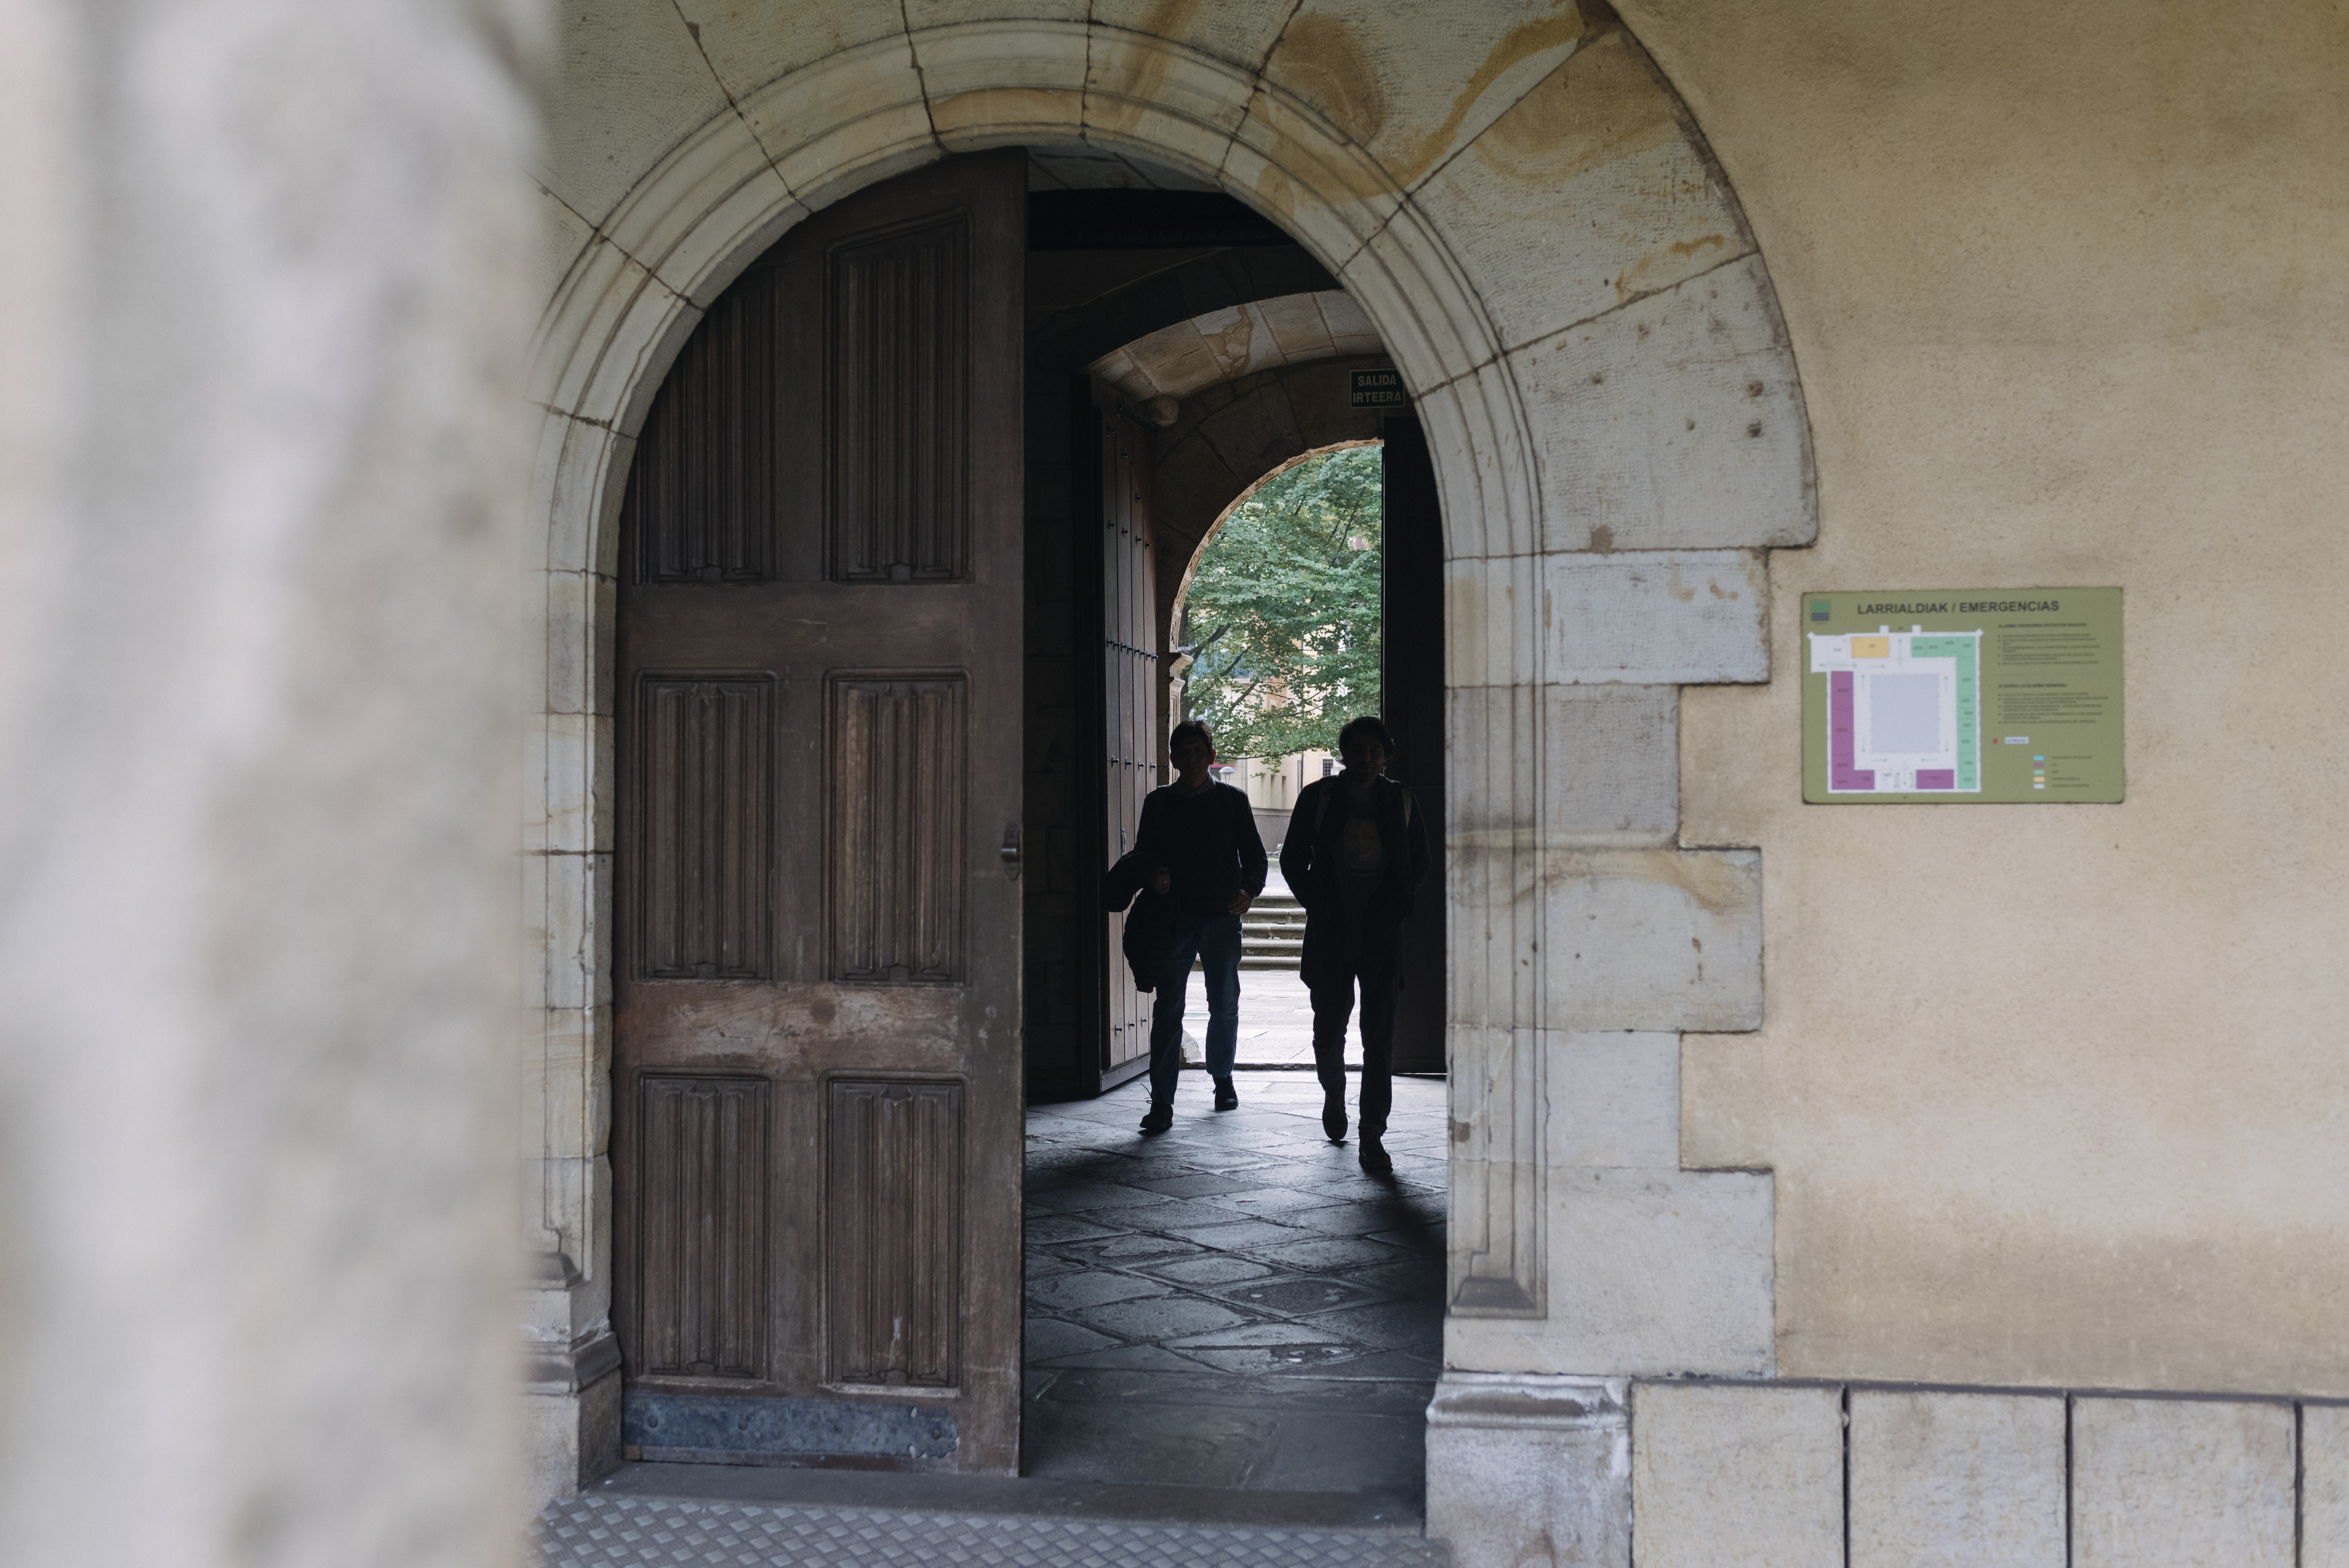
[(1199, 838), (1354, 856)]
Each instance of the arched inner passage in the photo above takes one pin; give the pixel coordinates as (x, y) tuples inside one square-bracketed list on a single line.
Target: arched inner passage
[(1235, 1304)]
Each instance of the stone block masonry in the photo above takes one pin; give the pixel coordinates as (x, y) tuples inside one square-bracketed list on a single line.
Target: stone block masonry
[(1729, 1475)]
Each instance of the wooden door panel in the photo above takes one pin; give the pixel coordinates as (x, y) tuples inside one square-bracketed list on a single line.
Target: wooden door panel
[(708, 784), (899, 385), (819, 716), (893, 1256), (1119, 556), (702, 492), (1411, 676), (704, 1218), (897, 760)]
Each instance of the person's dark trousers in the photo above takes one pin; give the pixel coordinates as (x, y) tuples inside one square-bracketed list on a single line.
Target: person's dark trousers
[(1333, 1003), (1214, 941)]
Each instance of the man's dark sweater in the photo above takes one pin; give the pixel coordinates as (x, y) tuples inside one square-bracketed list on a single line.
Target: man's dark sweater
[(1208, 841)]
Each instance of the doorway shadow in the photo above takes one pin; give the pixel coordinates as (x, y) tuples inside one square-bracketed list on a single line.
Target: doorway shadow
[(1235, 1304)]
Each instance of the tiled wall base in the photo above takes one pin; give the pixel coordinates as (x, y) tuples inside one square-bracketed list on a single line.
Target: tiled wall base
[(1598, 1473)]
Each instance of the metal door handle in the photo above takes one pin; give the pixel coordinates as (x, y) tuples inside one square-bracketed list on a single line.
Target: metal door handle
[(1011, 852)]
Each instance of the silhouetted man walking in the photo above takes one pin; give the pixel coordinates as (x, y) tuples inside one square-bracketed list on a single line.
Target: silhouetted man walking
[(1354, 856), (1201, 838)]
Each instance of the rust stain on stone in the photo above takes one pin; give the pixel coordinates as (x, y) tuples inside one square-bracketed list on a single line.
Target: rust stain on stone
[(1521, 43), (1674, 586), (1322, 62), (1115, 104), (1634, 279), (1230, 347), (1720, 592), (1715, 884), (1602, 104), (1274, 189)]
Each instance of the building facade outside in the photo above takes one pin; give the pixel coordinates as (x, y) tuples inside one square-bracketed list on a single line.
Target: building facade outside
[(1272, 784)]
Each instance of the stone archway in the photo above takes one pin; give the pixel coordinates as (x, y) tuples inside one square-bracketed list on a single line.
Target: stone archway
[(1561, 274)]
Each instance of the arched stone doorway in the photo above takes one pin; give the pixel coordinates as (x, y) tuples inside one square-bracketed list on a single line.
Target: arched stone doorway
[(1563, 279)]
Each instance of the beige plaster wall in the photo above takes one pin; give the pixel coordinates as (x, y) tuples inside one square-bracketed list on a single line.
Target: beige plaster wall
[(2052, 1095)]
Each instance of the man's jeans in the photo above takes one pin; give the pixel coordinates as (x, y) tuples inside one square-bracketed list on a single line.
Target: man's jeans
[(1333, 1002), (1215, 940)]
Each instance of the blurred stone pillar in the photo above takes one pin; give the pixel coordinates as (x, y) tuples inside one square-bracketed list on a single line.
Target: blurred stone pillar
[(261, 476)]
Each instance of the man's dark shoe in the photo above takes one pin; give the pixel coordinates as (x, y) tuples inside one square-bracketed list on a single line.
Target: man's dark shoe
[(1227, 1096), (1374, 1156), (1158, 1119), (1333, 1117)]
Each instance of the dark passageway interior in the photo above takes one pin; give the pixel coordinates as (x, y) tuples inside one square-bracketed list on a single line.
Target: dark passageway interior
[(1233, 1307)]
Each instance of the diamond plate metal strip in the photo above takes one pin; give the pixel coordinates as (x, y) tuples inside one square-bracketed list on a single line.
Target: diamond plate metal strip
[(647, 1533)]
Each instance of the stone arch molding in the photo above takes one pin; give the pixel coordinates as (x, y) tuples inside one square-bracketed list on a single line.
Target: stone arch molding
[(1567, 286)]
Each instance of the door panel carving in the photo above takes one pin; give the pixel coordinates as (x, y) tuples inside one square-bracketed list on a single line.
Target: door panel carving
[(894, 1226), (702, 1263), (706, 792), (898, 869), (702, 490), (899, 312)]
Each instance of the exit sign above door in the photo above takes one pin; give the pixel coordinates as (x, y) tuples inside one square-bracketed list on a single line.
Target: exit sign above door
[(1375, 389)]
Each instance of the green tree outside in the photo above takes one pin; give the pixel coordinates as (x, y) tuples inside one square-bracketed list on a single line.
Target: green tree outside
[(1283, 611)]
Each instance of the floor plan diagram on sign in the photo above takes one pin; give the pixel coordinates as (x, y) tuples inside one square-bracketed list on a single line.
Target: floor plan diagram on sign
[(1904, 710)]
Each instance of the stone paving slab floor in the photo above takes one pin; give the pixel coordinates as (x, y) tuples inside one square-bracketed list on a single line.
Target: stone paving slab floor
[(1234, 1304)]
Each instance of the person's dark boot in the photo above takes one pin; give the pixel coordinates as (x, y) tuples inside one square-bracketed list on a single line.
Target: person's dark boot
[(1333, 1117), (1374, 1156), (1158, 1118), (1227, 1096)]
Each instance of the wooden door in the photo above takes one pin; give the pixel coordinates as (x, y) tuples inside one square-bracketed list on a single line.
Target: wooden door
[(816, 1125), (1411, 677), (1117, 552)]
